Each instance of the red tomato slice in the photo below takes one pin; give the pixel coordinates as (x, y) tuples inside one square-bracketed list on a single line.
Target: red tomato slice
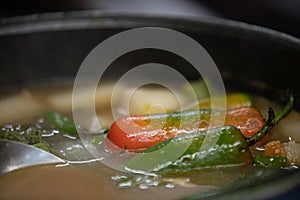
[(143, 131)]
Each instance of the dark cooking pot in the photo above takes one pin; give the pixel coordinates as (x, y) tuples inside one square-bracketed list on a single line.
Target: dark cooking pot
[(40, 47)]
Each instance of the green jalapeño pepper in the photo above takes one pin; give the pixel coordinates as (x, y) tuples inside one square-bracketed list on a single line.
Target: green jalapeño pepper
[(227, 147), (217, 147)]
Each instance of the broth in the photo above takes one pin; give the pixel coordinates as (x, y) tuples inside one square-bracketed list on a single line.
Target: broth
[(92, 181), (95, 180)]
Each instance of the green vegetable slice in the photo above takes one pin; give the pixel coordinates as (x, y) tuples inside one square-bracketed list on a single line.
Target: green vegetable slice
[(61, 123), (270, 161)]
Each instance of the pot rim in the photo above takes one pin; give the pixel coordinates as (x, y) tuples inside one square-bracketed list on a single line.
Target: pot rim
[(95, 19)]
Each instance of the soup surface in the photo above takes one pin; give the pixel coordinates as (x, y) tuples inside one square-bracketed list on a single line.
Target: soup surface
[(24, 111)]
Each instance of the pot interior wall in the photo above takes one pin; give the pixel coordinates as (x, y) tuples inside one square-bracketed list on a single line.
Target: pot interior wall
[(244, 52)]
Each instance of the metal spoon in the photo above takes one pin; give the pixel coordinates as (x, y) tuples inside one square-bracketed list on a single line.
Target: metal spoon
[(14, 155)]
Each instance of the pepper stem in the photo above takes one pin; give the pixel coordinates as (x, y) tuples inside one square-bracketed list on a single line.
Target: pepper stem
[(272, 120)]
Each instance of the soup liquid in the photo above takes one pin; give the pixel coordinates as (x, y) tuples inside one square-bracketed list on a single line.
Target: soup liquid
[(94, 180), (86, 181)]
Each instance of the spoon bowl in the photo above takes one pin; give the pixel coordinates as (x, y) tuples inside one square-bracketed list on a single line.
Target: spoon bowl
[(15, 155)]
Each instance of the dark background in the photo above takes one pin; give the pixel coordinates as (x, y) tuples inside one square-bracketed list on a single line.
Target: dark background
[(282, 15)]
